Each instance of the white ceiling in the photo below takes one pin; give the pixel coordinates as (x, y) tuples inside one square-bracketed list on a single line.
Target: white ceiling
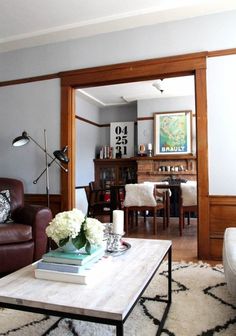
[(27, 23), (120, 94)]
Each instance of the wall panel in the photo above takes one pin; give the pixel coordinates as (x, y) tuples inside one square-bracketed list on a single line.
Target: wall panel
[(222, 214)]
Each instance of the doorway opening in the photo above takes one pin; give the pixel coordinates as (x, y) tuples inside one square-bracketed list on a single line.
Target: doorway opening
[(97, 107)]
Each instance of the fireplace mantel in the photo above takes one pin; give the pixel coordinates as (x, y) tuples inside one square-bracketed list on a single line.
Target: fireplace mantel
[(160, 167)]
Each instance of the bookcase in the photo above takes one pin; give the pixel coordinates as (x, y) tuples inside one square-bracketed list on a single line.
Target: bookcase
[(109, 172)]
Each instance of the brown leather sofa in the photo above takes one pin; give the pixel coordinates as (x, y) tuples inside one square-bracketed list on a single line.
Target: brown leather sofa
[(23, 240)]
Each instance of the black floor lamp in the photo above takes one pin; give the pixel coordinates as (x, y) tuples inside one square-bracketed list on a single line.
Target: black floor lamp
[(58, 157)]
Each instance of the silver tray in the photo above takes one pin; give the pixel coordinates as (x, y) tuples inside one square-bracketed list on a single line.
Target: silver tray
[(124, 247)]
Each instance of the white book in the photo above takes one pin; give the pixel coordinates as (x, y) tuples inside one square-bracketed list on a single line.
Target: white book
[(84, 277)]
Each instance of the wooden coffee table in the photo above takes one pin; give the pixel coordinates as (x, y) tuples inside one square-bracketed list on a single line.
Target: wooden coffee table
[(109, 300)]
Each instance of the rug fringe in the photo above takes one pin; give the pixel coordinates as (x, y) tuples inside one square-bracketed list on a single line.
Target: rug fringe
[(198, 263)]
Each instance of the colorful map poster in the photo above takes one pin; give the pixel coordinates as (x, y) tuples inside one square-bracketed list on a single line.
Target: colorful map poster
[(172, 132)]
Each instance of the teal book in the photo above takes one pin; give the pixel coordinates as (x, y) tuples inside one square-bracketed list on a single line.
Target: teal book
[(72, 258), (53, 266)]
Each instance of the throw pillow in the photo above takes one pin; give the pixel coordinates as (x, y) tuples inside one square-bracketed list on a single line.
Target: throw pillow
[(5, 207)]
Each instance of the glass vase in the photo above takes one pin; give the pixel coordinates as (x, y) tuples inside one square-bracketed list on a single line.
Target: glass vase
[(69, 247)]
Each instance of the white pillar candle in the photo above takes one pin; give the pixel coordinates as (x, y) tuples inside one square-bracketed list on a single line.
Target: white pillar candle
[(118, 222), (149, 146)]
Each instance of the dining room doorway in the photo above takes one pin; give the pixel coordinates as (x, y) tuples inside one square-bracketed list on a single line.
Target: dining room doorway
[(192, 64), (97, 107)]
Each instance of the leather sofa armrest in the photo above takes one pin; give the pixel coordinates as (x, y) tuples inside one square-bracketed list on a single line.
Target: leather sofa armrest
[(38, 217)]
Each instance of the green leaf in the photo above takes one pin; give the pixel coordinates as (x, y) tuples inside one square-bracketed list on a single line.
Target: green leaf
[(80, 240), (62, 242)]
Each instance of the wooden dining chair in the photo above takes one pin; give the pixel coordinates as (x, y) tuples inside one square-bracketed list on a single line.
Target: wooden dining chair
[(97, 204), (117, 195), (162, 194), (141, 197), (188, 202)]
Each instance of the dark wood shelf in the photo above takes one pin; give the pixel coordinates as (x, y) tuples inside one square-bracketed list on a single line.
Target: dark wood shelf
[(164, 157), (115, 160), (184, 172)]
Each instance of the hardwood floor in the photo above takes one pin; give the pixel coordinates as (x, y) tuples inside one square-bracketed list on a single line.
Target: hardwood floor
[(184, 248)]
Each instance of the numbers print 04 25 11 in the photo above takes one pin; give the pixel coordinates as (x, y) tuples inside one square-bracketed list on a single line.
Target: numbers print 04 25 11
[(122, 138)]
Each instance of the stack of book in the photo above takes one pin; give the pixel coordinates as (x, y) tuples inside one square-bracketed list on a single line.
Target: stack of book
[(72, 267)]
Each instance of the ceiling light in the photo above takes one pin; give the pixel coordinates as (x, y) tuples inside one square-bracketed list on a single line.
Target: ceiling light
[(159, 85), (125, 99)]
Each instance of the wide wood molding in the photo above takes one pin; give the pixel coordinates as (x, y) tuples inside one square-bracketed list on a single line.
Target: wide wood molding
[(145, 118), (87, 121), (217, 53), (135, 71), (29, 80), (91, 122)]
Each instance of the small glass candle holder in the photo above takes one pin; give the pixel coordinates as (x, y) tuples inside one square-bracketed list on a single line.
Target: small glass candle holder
[(114, 243)]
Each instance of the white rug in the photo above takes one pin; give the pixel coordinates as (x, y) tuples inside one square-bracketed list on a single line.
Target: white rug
[(202, 306)]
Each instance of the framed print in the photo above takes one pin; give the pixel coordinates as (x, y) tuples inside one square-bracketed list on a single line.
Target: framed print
[(173, 132), (122, 138)]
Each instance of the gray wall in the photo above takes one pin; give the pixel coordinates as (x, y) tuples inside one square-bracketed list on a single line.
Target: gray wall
[(88, 139), (91, 137), (40, 109), (30, 107), (221, 85), (115, 114)]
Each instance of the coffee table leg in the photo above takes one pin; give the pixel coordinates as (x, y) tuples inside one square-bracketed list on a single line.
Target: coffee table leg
[(120, 329), (169, 295), (170, 275)]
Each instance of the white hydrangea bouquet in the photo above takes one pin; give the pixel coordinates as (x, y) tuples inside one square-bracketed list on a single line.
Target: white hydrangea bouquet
[(73, 226)]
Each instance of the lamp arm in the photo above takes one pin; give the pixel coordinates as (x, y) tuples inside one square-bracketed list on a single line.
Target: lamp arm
[(62, 167), (43, 149), (49, 165), (36, 180), (36, 143), (47, 173)]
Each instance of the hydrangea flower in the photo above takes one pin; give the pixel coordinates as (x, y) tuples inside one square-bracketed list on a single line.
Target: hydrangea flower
[(93, 231), (75, 226)]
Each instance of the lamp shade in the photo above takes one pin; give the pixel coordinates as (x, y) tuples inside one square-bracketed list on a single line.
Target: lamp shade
[(21, 140), (60, 155)]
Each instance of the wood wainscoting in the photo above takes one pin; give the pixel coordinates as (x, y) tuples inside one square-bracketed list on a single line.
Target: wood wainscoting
[(222, 214), (41, 199)]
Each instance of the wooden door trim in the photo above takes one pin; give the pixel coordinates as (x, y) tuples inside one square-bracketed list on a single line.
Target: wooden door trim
[(191, 64), (135, 71), (202, 164), (68, 139)]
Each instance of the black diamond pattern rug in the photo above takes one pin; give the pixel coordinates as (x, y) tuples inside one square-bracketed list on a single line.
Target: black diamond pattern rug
[(202, 306)]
